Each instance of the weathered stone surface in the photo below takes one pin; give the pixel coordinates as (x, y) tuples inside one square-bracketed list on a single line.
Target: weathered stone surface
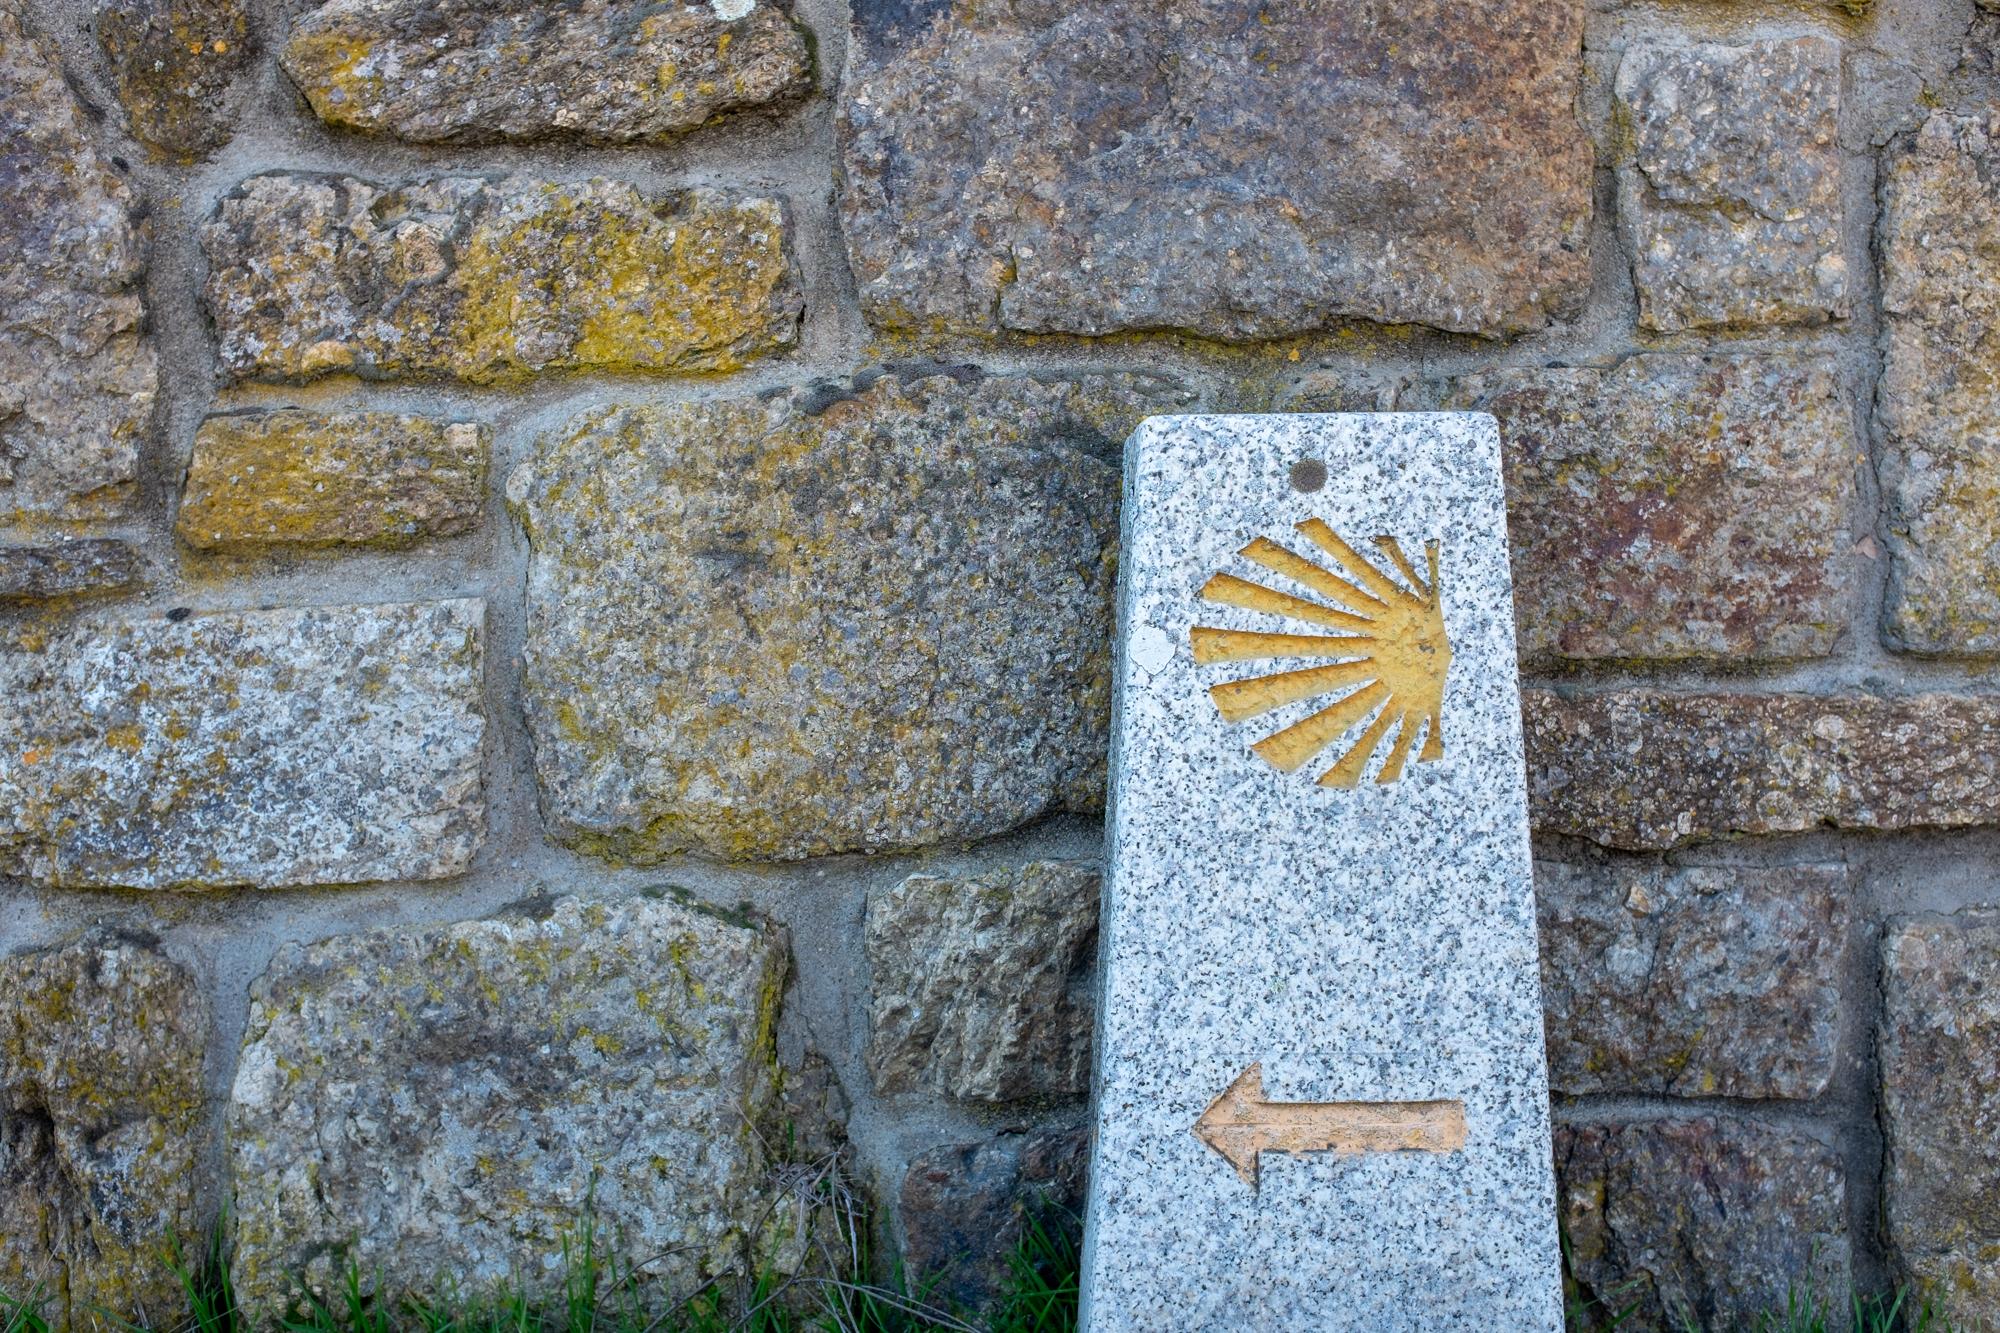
[(459, 277), (1709, 1221), (1940, 1060), (963, 1208), (476, 71), (77, 371), (1340, 391), (1304, 906), (1938, 399), (309, 745), (448, 1100), (981, 984), (101, 1128), (1700, 981), (1729, 197), (1675, 506), (173, 62), (308, 479), (1236, 169), (66, 569), (789, 627), (1644, 769)]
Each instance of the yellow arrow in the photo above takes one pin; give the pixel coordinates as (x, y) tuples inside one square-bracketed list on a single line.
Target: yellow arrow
[(1240, 1124)]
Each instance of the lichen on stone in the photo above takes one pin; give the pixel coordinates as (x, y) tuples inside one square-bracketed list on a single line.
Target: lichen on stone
[(174, 62), (1938, 399), (78, 374), (824, 621), (462, 278), (289, 478), (604, 71), (102, 1128), (455, 1099), (308, 745)]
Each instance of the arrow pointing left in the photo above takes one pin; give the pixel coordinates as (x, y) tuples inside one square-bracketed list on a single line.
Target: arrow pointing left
[(1240, 1125)]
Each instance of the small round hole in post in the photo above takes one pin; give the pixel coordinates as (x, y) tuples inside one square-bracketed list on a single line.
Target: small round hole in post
[(1308, 474)]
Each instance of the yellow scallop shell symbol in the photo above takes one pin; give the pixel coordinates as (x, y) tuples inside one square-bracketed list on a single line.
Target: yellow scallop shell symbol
[(1388, 655)]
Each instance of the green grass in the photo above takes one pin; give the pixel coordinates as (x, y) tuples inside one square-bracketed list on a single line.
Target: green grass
[(598, 1296), (1804, 1312)]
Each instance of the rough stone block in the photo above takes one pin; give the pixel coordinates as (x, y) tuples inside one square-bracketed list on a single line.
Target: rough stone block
[(815, 623), (309, 745), (1695, 982), (459, 277), (963, 1208), (1675, 506), (310, 479), (981, 984), (102, 1132), (1236, 169), (66, 569), (1938, 399), (1939, 1052), (1706, 1220), (449, 1100), (1650, 770), (173, 63), (606, 71), (77, 371), (1729, 193)]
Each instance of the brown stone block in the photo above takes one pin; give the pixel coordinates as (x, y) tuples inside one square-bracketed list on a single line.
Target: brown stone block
[(1708, 1223), (1729, 197), (1675, 507), (1693, 981), (963, 1207), (1236, 169), (1650, 769), (66, 569), (1939, 1052), (1939, 399)]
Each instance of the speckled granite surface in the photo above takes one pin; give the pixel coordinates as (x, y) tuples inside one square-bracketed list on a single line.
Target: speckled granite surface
[(1374, 942)]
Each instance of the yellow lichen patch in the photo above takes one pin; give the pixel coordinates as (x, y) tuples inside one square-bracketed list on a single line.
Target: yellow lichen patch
[(339, 89), (588, 277), (307, 479)]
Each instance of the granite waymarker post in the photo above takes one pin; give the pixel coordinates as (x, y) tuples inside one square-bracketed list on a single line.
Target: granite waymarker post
[(1321, 1097)]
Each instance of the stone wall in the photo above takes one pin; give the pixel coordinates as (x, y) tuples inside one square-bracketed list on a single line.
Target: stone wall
[(555, 571)]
